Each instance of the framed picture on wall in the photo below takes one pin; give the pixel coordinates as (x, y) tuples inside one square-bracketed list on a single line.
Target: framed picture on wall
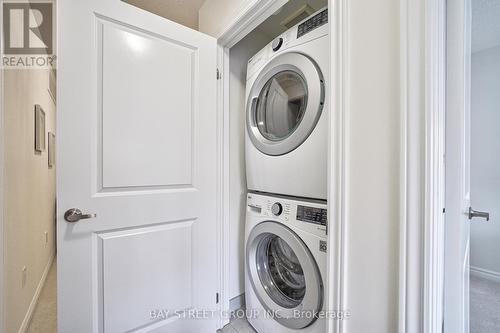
[(52, 149), (39, 129)]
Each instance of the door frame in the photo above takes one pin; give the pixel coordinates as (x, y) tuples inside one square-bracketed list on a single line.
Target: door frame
[(425, 33), (251, 16), (458, 100), (423, 105)]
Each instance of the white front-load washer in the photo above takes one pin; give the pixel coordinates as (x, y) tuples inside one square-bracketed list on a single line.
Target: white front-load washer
[(287, 112), (285, 266)]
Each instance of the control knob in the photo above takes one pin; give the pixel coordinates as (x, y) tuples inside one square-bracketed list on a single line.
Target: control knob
[(277, 209), (277, 44)]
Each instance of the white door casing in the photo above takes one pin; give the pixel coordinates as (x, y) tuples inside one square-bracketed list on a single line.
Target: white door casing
[(137, 145), (457, 228)]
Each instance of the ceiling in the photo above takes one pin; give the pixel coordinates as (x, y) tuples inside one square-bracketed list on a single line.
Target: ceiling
[(485, 24), (184, 12)]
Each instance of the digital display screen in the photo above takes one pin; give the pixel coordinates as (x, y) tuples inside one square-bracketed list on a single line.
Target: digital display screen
[(312, 215), (311, 24)]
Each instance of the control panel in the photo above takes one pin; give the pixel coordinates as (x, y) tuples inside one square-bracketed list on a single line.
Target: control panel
[(313, 27), (308, 215), (312, 215), (312, 23)]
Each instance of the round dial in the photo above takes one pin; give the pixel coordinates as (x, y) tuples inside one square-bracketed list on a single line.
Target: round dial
[(277, 44), (277, 209)]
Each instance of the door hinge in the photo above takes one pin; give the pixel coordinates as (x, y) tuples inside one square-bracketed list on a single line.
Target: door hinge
[(216, 298), (218, 75)]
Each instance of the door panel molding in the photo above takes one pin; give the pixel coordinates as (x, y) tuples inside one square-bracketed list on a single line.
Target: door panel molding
[(121, 147), (113, 251)]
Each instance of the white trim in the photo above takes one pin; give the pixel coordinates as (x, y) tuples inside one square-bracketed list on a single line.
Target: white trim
[(435, 100), (403, 30), (339, 37), (222, 231), (31, 309), (455, 299), (412, 22), (421, 258), (485, 273), (250, 17)]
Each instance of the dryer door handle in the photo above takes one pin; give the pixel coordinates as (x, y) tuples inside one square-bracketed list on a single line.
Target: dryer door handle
[(253, 107)]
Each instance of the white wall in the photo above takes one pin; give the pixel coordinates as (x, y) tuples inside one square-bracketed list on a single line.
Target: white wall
[(29, 192), (372, 166), (239, 56), (216, 15), (485, 159), (182, 12)]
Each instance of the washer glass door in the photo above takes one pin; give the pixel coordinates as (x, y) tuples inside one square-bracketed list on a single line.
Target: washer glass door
[(280, 272), (284, 274)]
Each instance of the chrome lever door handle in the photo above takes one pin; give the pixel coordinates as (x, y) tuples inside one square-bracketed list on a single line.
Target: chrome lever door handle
[(474, 213), (74, 215)]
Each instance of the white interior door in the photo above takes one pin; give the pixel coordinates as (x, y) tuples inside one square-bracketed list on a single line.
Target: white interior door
[(457, 228), (137, 147)]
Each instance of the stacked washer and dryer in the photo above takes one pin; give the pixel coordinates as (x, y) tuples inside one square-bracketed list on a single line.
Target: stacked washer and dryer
[(286, 161)]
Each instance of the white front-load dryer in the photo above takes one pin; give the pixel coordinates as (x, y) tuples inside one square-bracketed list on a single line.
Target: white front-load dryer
[(287, 112), (285, 266)]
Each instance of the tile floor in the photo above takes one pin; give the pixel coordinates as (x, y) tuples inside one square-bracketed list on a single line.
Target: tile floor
[(238, 326), (484, 305)]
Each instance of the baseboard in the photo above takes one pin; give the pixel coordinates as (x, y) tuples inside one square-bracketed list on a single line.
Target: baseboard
[(484, 273), (34, 301)]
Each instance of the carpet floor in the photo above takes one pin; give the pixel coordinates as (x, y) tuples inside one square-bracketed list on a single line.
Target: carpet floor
[(484, 305), (44, 319)]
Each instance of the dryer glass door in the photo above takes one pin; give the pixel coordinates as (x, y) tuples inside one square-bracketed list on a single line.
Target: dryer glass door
[(281, 105), (285, 103)]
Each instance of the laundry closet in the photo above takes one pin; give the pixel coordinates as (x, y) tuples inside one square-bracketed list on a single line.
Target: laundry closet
[(214, 149), (276, 161)]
